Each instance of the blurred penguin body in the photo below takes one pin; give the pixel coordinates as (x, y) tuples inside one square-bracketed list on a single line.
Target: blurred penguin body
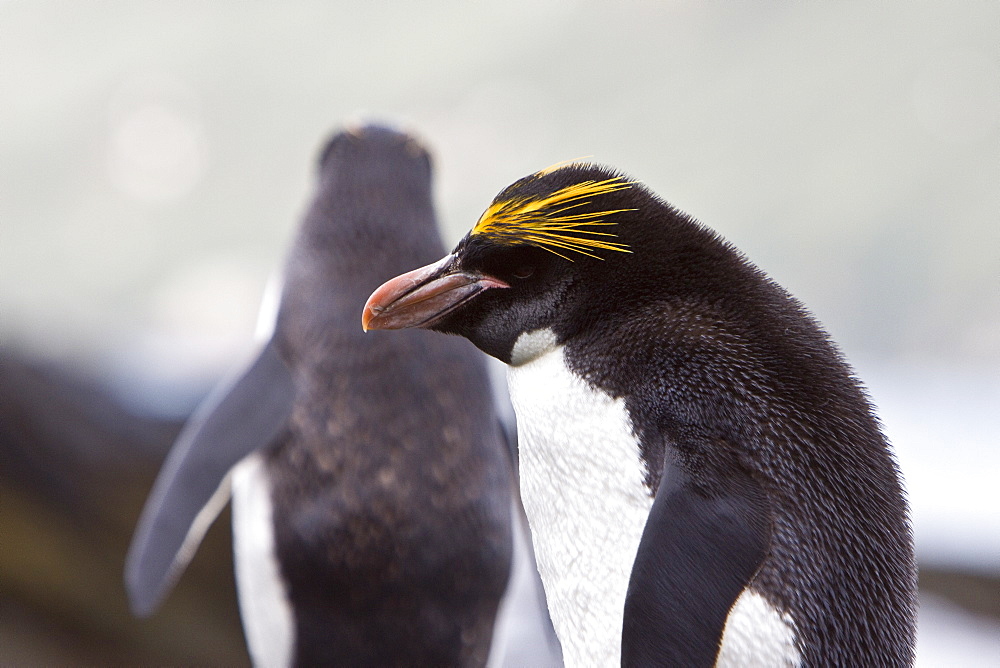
[(372, 486)]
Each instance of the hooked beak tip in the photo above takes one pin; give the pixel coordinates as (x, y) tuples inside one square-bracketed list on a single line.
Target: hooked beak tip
[(369, 312)]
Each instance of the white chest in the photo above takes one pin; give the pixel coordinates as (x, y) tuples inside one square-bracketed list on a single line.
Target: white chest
[(582, 486)]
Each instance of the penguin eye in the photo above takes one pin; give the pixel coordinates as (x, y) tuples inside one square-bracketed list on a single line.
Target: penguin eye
[(523, 271)]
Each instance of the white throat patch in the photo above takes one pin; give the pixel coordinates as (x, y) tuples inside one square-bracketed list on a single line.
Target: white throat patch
[(582, 485)]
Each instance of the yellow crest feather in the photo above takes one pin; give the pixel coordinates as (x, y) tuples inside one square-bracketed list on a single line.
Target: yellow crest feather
[(549, 222)]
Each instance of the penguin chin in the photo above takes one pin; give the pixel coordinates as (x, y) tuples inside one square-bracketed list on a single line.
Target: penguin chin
[(532, 345)]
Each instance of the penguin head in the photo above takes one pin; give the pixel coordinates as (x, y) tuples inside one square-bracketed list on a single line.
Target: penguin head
[(373, 186), (557, 250), (371, 217), (377, 151)]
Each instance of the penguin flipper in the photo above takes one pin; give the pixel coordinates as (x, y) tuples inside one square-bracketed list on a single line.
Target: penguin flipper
[(701, 546), (236, 419)]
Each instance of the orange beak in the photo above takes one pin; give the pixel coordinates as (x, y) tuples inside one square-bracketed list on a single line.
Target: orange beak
[(420, 297)]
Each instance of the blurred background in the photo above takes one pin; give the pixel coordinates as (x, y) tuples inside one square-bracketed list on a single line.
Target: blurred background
[(156, 157)]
